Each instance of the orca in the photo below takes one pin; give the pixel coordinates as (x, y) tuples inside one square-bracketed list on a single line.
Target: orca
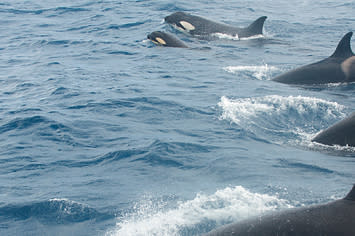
[(338, 68), (341, 133), (336, 218), (165, 39), (202, 27)]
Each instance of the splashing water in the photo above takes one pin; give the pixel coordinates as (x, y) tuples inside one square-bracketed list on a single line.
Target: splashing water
[(226, 205), (277, 116)]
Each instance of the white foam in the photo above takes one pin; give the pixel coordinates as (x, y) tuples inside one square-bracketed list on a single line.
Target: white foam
[(291, 119), (245, 108), (323, 147), (259, 72), (226, 36), (229, 204), (236, 37), (257, 36)]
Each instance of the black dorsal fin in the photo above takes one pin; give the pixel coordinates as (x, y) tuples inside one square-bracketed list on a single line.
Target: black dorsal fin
[(351, 195), (257, 26), (344, 48)]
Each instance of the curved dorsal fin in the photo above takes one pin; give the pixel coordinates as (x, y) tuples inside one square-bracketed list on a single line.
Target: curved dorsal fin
[(344, 49), (257, 26), (351, 195)]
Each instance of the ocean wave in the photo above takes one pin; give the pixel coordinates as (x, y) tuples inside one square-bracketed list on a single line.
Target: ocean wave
[(193, 217), (277, 117), (105, 159), (152, 107), (158, 153), (171, 154), (54, 211), (127, 25), (22, 123), (305, 167), (44, 128), (55, 11)]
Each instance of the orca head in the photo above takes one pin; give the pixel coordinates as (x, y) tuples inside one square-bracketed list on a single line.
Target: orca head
[(180, 20), (157, 38), (164, 39), (175, 17)]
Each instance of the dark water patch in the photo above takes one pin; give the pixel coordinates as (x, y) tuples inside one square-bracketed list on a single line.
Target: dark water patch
[(154, 159), (170, 7), (111, 104), (53, 63), (173, 154), (24, 111), (58, 42), (157, 154), (101, 160), (61, 42), (127, 25), (22, 12), (125, 53), (305, 167), (46, 25), (60, 11), (16, 159), (77, 28), (42, 128), (60, 91), (22, 123), (178, 147), (65, 93), (34, 166), (54, 211), (25, 85)]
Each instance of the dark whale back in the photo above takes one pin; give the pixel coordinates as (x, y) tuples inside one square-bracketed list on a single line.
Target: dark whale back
[(202, 27), (332, 219), (338, 68), (341, 133)]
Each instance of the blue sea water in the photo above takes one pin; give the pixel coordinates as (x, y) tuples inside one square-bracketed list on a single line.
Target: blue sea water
[(104, 133)]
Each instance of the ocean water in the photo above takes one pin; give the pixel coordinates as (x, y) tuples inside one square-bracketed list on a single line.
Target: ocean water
[(104, 133)]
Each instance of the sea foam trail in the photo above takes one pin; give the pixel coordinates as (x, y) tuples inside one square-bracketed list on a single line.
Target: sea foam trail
[(259, 72), (226, 205), (236, 37), (291, 116)]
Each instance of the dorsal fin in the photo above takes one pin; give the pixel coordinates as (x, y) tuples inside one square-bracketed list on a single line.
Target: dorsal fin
[(257, 26), (344, 48), (351, 195)]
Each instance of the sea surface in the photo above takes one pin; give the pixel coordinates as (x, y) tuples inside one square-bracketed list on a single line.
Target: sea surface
[(104, 133)]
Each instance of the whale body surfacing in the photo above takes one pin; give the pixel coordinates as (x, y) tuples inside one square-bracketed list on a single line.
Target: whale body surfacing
[(164, 39), (338, 68), (341, 133), (332, 219), (202, 27)]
